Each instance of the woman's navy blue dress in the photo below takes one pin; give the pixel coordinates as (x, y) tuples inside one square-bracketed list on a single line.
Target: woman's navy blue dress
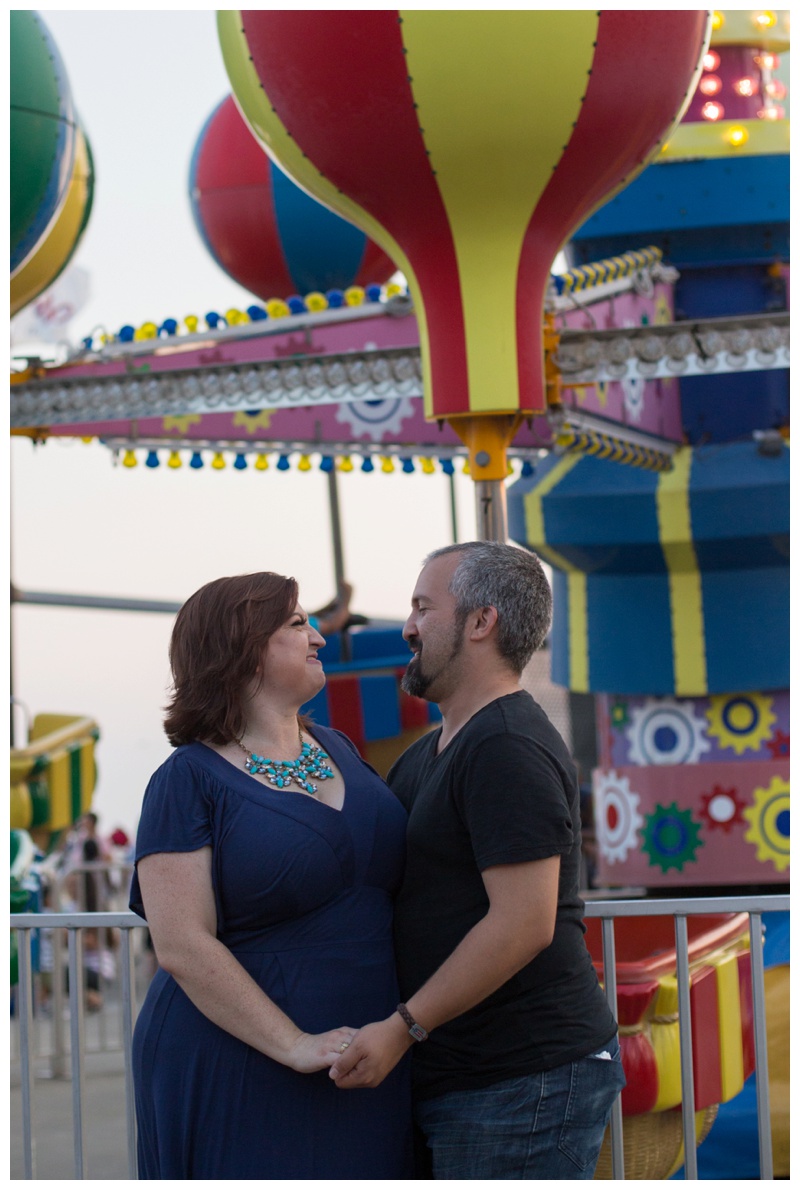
[(304, 901)]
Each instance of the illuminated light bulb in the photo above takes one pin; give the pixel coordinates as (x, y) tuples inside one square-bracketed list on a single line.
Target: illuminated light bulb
[(767, 61), (427, 466), (775, 89), (129, 459), (712, 111), (261, 463), (387, 465), (746, 87), (717, 21), (737, 136), (764, 20), (218, 462), (346, 463), (771, 113), (711, 60), (174, 461), (304, 463), (710, 84)]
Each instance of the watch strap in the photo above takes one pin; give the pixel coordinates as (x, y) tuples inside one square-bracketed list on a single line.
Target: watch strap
[(416, 1031)]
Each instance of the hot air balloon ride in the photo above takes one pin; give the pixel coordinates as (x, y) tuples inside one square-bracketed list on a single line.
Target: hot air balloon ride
[(44, 134), (267, 233), (447, 148)]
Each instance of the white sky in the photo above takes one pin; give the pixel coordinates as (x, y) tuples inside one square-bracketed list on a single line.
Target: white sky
[(144, 84)]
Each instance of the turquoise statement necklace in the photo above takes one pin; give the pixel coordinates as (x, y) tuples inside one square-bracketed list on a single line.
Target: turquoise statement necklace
[(281, 773)]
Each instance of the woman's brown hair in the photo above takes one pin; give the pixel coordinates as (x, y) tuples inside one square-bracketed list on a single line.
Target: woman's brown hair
[(217, 643)]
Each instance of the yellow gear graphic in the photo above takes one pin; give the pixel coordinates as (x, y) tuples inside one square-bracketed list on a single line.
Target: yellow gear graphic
[(769, 823), (253, 421), (740, 721)]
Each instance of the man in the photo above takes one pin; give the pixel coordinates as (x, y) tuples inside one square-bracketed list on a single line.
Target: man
[(516, 1061)]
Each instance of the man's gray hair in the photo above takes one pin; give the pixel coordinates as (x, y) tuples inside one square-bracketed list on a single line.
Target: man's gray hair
[(510, 579)]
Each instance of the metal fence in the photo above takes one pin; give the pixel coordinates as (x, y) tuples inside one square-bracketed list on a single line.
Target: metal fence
[(128, 923)]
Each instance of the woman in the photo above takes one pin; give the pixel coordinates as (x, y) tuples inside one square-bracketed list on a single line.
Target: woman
[(266, 861)]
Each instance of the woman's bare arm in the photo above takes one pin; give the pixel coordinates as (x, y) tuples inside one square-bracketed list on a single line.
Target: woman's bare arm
[(179, 901)]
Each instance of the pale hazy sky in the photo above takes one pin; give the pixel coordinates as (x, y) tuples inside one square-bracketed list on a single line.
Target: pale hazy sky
[(144, 84)]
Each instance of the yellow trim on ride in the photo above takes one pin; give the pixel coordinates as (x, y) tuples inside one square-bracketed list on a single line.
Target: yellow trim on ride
[(576, 579), (493, 160), (763, 138), (685, 584), (730, 1026)]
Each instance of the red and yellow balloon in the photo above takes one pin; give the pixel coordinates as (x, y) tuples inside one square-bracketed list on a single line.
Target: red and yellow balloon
[(470, 145)]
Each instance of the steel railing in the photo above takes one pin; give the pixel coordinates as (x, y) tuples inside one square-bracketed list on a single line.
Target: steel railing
[(680, 909)]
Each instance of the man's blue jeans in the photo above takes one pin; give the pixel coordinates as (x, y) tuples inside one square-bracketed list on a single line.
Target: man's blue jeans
[(547, 1125)]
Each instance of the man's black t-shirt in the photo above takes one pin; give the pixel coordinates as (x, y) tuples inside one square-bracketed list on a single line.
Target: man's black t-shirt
[(504, 791)]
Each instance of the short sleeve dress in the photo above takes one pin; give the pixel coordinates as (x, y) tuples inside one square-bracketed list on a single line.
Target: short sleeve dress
[(304, 898)]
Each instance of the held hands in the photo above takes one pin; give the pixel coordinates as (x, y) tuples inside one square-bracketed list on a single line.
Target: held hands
[(316, 1051), (373, 1053)]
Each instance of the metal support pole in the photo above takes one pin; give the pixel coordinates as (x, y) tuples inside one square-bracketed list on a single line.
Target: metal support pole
[(128, 1004), (25, 1010), (687, 1062), (610, 987), (345, 653), (760, 1037), (451, 479), (76, 1032), (491, 510)]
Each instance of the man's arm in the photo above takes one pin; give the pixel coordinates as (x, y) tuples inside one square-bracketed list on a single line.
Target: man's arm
[(518, 925)]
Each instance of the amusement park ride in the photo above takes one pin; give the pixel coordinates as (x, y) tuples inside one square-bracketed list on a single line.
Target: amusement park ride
[(642, 395)]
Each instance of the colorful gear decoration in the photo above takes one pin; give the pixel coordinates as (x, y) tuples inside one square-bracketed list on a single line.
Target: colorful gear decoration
[(617, 816), (779, 745), (769, 823), (619, 713), (741, 721), (180, 425), (671, 837), (721, 809), (664, 731), (253, 419), (373, 419)]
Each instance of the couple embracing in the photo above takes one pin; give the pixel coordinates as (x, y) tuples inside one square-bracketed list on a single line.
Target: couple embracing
[(339, 955)]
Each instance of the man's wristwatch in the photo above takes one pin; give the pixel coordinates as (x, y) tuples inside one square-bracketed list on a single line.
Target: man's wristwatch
[(416, 1031)]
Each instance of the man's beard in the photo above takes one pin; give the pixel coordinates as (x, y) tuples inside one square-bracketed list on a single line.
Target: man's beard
[(417, 683), (414, 681)]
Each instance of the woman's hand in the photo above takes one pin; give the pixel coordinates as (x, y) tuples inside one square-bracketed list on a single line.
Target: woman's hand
[(317, 1051)]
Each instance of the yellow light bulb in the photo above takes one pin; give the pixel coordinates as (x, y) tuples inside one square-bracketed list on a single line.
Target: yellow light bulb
[(87, 440), (354, 296), (316, 302), (174, 460), (764, 20), (129, 459), (427, 466), (304, 463), (387, 465), (345, 463), (737, 136), (277, 308), (717, 20), (465, 470), (190, 322), (261, 463), (218, 462)]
